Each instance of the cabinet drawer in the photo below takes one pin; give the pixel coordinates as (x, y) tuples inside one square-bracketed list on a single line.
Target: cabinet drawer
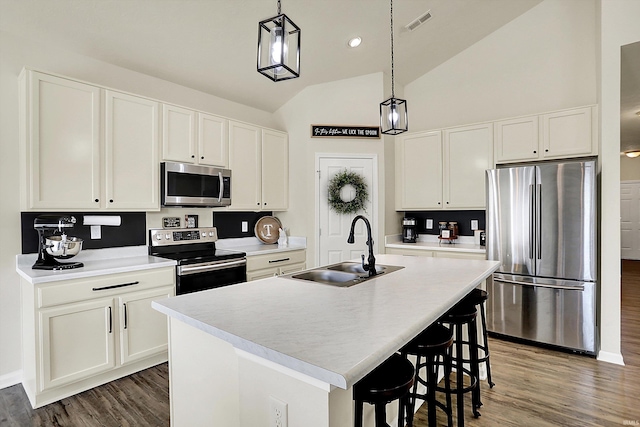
[(100, 286), (258, 262), (409, 252)]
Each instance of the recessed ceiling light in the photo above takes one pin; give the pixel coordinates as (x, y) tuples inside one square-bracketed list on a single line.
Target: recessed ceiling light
[(355, 42)]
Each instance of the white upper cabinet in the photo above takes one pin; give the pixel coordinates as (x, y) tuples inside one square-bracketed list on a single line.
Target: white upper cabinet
[(86, 148), (556, 135), (60, 143), (259, 163), (275, 170), (443, 169), (516, 139), (131, 152), (568, 133), (192, 137), (213, 140), (178, 134), (468, 153), (419, 171)]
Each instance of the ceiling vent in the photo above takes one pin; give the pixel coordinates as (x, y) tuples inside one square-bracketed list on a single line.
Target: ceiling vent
[(413, 25)]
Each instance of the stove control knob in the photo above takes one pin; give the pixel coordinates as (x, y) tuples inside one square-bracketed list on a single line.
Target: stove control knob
[(211, 234), (204, 234), (167, 236), (159, 236)]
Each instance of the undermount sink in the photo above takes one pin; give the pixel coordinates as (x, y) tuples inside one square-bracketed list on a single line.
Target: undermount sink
[(344, 274)]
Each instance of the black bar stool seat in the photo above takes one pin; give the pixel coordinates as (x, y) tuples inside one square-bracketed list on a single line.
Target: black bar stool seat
[(431, 344), (463, 315), (390, 381), (478, 297)]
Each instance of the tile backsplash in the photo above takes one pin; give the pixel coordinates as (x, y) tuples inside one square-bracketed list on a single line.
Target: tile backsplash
[(462, 217)]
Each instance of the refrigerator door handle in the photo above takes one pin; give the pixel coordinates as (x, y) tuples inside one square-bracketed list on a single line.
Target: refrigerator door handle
[(532, 204), (541, 285), (539, 220)]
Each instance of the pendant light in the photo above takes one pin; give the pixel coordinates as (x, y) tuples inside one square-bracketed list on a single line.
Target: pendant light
[(279, 48), (393, 111)]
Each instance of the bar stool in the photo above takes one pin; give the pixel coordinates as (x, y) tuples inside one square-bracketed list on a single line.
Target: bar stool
[(463, 315), (390, 381), (431, 344), (478, 297)]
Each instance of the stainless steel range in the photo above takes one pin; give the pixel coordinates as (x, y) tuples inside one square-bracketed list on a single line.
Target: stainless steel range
[(200, 265)]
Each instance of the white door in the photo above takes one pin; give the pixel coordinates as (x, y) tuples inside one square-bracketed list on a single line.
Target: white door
[(630, 220), (334, 227)]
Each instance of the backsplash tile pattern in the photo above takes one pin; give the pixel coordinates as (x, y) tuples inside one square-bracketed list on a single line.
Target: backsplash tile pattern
[(229, 224), (462, 217), (131, 232)]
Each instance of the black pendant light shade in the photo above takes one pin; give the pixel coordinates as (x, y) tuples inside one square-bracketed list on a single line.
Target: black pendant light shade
[(279, 48), (393, 111), (393, 116)]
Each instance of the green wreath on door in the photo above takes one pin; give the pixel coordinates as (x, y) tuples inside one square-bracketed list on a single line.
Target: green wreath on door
[(336, 185)]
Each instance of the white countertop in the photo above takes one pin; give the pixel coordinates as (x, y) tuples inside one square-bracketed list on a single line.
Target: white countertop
[(253, 246), (97, 262), (333, 334), (431, 243)]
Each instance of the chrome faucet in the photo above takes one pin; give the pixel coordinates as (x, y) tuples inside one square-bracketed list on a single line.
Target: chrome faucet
[(371, 266)]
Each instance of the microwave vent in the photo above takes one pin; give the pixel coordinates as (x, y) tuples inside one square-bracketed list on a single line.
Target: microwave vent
[(413, 25)]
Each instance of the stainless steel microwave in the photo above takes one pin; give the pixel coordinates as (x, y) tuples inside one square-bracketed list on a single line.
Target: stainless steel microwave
[(185, 185)]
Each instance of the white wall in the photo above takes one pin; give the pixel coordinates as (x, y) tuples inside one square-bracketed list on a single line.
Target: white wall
[(353, 101), (629, 169), (618, 21), (543, 60), (15, 53)]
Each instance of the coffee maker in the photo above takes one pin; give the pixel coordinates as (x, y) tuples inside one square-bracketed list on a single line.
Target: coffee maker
[(409, 230), (54, 243)]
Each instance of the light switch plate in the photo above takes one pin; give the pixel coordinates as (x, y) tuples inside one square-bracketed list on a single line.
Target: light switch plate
[(96, 232), (429, 224), (245, 226), (474, 224)]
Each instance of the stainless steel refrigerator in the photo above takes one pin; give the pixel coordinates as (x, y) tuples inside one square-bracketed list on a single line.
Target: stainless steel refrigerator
[(541, 226)]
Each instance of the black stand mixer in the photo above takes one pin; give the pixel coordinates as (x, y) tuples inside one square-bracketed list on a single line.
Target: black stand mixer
[(54, 243)]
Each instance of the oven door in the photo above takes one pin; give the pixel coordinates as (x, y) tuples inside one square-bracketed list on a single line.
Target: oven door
[(193, 185), (200, 277)]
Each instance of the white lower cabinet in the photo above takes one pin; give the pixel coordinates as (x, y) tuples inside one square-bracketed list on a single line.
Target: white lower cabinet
[(275, 264), (435, 253), (81, 333)]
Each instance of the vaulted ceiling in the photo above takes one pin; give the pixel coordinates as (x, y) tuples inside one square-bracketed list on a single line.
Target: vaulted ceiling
[(210, 45)]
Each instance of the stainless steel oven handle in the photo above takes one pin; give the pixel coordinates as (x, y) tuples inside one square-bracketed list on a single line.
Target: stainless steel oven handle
[(186, 270), (221, 187)]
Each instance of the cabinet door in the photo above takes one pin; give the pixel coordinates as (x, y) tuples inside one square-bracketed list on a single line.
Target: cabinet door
[(567, 133), (131, 152), (293, 268), (262, 274), (468, 153), (275, 171), (178, 134), (516, 139), (61, 143), (76, 342), (419, 171), (245, 162), (213, 141), (143, 330)]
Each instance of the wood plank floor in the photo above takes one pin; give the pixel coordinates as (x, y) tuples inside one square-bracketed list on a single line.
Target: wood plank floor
[(534, 387)]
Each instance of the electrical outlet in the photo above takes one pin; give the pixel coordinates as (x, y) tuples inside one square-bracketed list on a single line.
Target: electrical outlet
[(245, 226), (429, 224), (474, 224), (277, 413)]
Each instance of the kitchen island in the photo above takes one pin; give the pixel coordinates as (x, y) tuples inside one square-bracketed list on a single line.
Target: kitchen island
[(233, 350)]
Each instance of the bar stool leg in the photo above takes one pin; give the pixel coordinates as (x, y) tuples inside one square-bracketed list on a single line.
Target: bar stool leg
[(485, 337), (432, 380), (459, 377), (447, 361), (411, 401), (381, 414), (475, 371)]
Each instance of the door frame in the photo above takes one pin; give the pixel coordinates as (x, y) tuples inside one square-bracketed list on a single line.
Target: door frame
[(373, 192)]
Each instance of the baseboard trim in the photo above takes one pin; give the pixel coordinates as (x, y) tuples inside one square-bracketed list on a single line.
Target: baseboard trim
[(606, 356), (12, 378)]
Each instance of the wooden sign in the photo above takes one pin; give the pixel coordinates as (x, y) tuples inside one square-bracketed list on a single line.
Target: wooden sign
[(344, 131)]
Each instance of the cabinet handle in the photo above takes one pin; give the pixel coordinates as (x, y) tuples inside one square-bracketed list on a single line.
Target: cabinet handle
[(125, 315), (447, 202), (546, 150), (110, 200), (202, 157), (110, 320), (438, 202), (534, 151), (278, 260), (265, 203), (258, 203), (97, 200), (102, 288), (193, 156)]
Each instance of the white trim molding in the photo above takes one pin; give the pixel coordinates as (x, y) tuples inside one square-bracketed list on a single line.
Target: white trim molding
[(606, 356), (10, 379)]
